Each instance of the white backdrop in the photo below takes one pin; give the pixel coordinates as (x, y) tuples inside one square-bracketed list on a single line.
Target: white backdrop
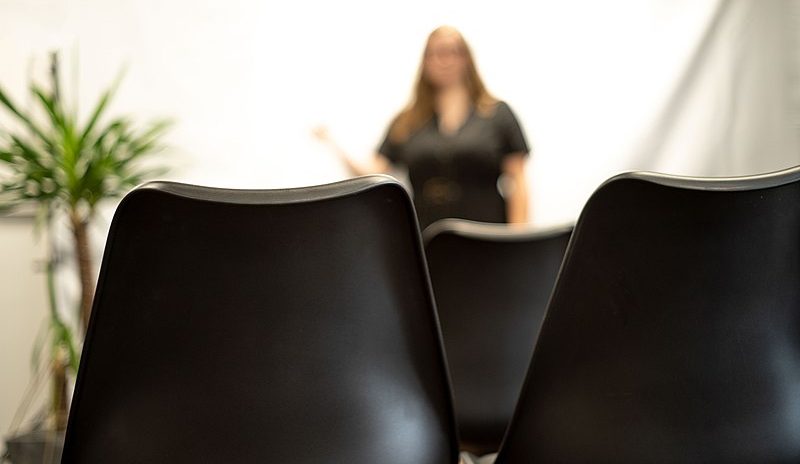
[(600, 87), (696, 87)]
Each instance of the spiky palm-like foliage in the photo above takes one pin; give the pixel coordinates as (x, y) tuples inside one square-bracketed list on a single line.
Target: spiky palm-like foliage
[(68, 167)]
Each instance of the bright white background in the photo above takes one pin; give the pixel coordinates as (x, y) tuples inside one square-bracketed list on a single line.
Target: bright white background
[(600, 87), (246, 81)]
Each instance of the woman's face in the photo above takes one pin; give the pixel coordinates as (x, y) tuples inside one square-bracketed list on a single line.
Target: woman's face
[(445, 60)]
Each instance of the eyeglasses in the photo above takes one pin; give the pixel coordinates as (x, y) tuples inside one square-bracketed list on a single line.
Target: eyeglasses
[(442, 52)]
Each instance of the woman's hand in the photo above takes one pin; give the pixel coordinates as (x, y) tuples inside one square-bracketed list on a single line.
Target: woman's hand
[(379, 164), (321, 134), (517, 199)]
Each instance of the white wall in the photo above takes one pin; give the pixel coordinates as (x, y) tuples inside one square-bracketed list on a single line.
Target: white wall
[(22, 312), (247, 81)]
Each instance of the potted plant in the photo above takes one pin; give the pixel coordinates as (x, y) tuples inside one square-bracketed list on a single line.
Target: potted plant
[(67, 169)]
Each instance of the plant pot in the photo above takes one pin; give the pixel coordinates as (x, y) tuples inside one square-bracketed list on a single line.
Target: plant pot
[(36, 447)]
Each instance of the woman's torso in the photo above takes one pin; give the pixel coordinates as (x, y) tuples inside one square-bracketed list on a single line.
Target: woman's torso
[(456, 174)]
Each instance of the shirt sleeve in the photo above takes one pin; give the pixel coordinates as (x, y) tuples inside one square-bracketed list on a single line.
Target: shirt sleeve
[(389, 149), (512, 136)]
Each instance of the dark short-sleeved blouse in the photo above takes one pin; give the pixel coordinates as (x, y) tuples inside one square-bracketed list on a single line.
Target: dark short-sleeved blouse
[(456, 176)]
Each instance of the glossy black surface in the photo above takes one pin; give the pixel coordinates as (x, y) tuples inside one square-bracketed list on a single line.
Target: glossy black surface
[(673, 334), (290, 326), (492, 283)]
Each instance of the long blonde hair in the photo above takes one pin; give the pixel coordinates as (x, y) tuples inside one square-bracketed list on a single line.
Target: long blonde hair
[(421, 107)]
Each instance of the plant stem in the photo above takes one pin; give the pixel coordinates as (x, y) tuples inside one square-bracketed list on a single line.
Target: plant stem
[(59, 364), (84, 258), (60, 413)]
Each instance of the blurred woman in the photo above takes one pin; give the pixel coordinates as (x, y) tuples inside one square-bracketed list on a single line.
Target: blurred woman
[(455, 140)]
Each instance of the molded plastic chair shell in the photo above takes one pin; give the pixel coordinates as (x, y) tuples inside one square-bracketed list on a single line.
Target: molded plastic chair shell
[(492, 283), (673, 334), (290, 326)]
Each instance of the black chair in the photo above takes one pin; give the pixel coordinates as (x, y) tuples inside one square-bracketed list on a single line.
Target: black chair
[(673, 333), (492, 283), (286, 326)]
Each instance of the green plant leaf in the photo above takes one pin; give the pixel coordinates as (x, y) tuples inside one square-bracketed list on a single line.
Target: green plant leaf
[(50, 105), (101, 106), (63, 337), (68, 167), (28, 152), (38, 345), (8, 207), (21, 116)]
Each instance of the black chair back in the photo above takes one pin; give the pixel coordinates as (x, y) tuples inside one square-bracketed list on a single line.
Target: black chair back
[(673, 334), (288, 326), (492, 283)]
